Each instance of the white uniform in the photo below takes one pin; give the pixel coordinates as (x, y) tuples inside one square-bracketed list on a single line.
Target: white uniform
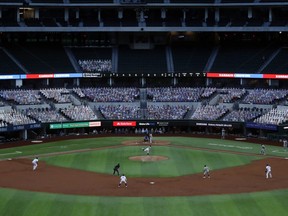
[(147, 150), (268, 171), (35, 163), (123, 179)]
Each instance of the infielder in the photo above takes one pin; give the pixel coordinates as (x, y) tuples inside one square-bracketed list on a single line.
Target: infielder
[(268, 171), (147, 149), (123, 179), (35, 163), (206, 171)]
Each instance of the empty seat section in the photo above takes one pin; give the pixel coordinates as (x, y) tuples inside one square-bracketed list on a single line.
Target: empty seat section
[(241, 58), (279, 64), (42, 58), (189, 58), (7, 65), (142, 61)]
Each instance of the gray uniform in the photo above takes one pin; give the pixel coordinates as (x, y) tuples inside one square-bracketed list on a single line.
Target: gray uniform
[(263, 150), (206, 172), (285, 144)]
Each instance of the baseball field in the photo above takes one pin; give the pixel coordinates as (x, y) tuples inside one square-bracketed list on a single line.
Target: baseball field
[(74, 177)]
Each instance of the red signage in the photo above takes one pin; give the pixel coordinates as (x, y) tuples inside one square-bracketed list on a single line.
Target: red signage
[(275, 76), (124, 123), (39, 76), (220, 75)]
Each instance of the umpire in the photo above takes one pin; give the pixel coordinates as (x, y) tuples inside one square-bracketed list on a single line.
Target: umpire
[(116, 169)]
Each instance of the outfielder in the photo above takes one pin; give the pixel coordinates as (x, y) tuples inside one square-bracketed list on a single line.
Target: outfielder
[(206, 172), (123, 179), (263, 150), (35, 163), (223, 133), (268, 171), (285, 144)]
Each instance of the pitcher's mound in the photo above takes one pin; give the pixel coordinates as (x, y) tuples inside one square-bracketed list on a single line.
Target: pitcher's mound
[(148, 158)]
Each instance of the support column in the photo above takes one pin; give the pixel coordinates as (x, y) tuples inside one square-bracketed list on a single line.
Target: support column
[(184, 15), (18, 15), (66, 14), (250, 13), (110, 81), (77, 14), (270, 15), (36, 13), (206, 14), (217, 15), (120, 14), (24, 135), (163, 13), (143, 82), (19, 83)]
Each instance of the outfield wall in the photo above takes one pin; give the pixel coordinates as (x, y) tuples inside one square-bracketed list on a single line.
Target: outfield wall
[(187, 127)]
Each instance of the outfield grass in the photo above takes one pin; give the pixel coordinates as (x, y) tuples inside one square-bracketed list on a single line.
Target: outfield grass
[(19, 203), (181, 161)]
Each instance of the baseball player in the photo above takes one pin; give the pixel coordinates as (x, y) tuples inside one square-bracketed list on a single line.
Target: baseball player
[(123, 179), (35, 163), (146, 138), (285, 144), (263, 150), (206, 171), (150, 138), (223, 133), (147, 149), (268, 171), (116, 169)]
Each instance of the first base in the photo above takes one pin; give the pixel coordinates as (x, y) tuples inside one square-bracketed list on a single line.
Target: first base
[(152, 183)]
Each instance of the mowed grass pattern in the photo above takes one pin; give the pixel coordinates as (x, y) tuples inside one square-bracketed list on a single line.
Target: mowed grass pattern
[(19, 203), (182, 161)]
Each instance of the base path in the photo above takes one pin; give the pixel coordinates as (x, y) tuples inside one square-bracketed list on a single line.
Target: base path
[(18, 174)]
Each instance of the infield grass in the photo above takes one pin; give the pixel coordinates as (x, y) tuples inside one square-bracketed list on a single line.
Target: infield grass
[(180, 161)]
